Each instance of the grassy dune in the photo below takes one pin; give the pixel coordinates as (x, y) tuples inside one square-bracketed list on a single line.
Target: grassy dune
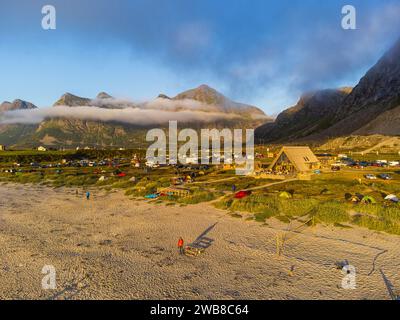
[(322, 199)]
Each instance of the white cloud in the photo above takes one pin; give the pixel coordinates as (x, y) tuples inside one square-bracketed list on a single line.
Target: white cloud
[(128, 115)]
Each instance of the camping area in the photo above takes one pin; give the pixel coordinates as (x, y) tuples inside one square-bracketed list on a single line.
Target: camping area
[(291, 234)]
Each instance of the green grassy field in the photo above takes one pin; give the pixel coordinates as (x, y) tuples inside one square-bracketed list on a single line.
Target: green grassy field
[(322, 198)]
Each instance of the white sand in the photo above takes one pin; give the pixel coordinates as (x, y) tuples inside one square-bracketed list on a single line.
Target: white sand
[(112, 247)]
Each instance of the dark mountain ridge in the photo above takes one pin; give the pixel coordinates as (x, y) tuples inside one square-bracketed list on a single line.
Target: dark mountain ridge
[(371, 107)]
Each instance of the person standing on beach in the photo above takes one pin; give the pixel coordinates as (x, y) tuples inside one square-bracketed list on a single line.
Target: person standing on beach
[(87, 195), (180, 245)]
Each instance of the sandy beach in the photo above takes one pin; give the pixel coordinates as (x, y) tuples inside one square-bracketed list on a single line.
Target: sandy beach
[(113, 247)]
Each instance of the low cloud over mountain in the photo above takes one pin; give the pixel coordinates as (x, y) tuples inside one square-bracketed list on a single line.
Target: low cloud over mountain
[(106, 120), (137, 116), (202, 104)]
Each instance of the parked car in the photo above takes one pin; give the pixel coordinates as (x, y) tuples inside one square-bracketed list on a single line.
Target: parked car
[(353, 165), (385, 176), (370, 176), (339, 164), (376, 164), (364, 164)]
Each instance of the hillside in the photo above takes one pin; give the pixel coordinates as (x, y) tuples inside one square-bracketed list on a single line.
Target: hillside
[(13, 132), (312, 113), (387, 123), (377, 92), (363, 144)]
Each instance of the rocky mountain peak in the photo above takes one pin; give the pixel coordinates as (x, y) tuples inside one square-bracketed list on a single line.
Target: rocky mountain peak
[(17, 104), (68, 99), (163, 96), (103, 95), (204, 94), (218, 102)]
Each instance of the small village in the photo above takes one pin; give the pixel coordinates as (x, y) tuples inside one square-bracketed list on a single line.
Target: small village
[(293, 174)]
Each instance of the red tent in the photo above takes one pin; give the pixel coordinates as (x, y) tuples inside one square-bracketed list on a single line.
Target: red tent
[(242, 194)]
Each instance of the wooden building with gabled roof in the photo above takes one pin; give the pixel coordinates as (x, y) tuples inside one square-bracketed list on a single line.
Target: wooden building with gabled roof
[(291, 161)]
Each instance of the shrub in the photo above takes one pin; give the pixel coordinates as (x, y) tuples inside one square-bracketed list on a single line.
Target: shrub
[(331, 212), (198, 197)]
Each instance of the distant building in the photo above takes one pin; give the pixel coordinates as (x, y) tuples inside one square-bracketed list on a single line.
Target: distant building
[(41, 148), (192, 160), (326, 159), (2, 147), (292, 161)]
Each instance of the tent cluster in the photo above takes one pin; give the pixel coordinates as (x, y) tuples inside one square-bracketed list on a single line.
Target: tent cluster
[(359, 198), (176, 181), (244, 194), (157, 195)]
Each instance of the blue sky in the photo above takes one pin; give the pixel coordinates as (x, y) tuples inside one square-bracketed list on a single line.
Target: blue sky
[(262, 52)]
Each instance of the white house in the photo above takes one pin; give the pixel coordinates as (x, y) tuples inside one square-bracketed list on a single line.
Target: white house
[(2, 147), (41, 148)]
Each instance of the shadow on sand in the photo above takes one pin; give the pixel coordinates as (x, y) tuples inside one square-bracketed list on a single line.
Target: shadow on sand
[(389, 287), (203, 242), (71, 290)]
